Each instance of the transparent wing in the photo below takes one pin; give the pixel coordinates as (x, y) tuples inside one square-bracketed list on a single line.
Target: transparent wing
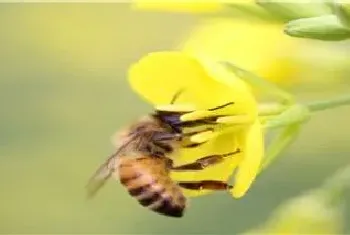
[(103, 173)]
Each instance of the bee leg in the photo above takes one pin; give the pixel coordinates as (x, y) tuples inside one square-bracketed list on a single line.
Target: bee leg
[(200, 121), (205, 184), (161, 136), (192, 145), (203, 121), (204, 162), (172, 115)]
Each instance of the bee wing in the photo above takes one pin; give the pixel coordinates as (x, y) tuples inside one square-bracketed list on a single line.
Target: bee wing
[(103, 173), (118, 136)]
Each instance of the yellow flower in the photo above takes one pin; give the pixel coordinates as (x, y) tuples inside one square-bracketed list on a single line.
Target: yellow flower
[(311, 213), (257, 46), (158, 76), (178, 6)]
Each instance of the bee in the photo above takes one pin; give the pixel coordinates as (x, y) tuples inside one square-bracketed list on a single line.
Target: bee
[(142, 162)]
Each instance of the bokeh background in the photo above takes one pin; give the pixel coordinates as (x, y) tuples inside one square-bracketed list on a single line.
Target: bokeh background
[(64, 92)]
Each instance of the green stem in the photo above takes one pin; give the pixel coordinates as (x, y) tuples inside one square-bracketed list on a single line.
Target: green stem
[(271, 109), (276, 109), (291, 119), (328, 104)]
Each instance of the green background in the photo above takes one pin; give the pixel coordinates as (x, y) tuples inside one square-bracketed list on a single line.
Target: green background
[(63, 93)]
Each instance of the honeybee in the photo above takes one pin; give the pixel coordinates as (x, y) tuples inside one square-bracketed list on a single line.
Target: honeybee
[(142, 164)]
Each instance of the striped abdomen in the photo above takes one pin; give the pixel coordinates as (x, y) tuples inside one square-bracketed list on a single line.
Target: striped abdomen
[(147, 180)]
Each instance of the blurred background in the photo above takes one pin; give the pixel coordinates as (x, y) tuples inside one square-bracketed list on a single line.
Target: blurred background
[(64, 92)]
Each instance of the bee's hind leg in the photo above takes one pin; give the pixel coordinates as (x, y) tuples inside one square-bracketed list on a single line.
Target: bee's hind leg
[(205, 184)]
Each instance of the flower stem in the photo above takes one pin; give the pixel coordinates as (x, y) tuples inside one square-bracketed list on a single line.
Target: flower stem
[(328, 104), (291, 119)]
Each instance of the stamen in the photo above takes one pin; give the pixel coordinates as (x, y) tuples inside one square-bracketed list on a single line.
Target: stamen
[(235, 119)]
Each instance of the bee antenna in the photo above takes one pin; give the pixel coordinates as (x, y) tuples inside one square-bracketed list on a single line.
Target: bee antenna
[(176, 95)]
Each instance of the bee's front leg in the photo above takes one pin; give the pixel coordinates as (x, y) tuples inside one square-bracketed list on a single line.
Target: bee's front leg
[(163, 136), (204, 162)]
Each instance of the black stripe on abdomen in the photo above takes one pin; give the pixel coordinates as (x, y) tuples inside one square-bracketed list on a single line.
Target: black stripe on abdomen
[(155, 197), (139, 191), (169, 209), (146, 195), (125, 180), (157, 201)]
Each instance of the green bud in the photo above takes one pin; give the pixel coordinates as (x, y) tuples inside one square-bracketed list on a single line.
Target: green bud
[(290, 10), (342, 10), (327, 28)]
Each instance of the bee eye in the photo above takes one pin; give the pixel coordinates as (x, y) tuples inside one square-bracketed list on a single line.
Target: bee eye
[(170, 118)]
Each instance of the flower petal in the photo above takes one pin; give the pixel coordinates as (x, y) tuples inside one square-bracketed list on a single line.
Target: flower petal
[(253, 150), (160, 75), (237, 41), (224, 143)]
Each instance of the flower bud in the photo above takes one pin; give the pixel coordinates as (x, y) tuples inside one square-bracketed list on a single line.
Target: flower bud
[(327, 28), (342, 10)]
